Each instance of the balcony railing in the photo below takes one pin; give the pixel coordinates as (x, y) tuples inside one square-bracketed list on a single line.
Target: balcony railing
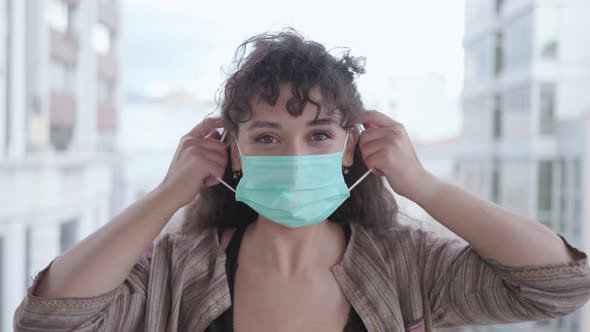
[(63, 47), (106, 118)]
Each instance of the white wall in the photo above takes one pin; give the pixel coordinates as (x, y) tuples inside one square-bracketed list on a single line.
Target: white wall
[(3, 72)]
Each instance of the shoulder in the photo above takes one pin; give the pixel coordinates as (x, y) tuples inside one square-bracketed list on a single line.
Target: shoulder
[(405, 241), (178, 247), (394, 236), (204, 241)]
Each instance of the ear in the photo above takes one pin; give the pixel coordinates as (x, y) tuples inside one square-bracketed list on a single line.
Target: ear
[(236, 161), (348, 156)]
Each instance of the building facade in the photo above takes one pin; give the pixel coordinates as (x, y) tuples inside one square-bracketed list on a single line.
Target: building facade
[(59, 98), (524, 142)]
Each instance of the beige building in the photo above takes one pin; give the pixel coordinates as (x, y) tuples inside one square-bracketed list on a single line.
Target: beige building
[(59, 99)]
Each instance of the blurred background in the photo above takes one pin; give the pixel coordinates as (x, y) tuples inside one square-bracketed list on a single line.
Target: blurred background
[(95, 95)]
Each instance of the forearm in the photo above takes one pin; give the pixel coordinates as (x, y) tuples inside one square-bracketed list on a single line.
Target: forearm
[(493, 231), (102, 261)]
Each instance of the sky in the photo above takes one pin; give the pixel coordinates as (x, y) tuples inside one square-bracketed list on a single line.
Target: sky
[(189, 45), (185, 44)]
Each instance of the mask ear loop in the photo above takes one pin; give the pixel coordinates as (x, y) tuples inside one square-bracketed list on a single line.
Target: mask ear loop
[(364, 175), (218, 178)]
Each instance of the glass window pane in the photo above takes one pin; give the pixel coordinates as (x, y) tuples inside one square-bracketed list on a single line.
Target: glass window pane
[(478, 60), (546, 30), (496, 182), (28, 254), (547, 109), (56, 15), (518, 42), (497, 121), (101, 38), (67, 235), (577, 165), (498, 54), (1, 279), (545, 181)]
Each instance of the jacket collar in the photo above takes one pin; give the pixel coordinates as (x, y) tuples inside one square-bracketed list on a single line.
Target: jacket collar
[(362, 274)]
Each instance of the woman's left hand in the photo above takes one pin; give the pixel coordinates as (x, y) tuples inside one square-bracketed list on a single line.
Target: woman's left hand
[(387, 149)]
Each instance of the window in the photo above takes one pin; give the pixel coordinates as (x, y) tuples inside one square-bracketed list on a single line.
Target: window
[(563, 195), (545, 191), (496, 182), (60, 137), (497, 114), (478, 60), (101, 39), (28, 254), (546, 32), (1, 280), (547, 109), (8, 87), (517, 100), (105, 91), (577, 194), (498, 54), (67, 235), (499, 5), (62, 78), (57, 15), (518, 42)]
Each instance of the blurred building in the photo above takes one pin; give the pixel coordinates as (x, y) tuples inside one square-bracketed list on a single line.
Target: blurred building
[(59, 98), (526, 107), (421, 102), (146, 147)]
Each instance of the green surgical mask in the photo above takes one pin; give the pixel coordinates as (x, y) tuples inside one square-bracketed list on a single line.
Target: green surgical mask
[(293, 191)]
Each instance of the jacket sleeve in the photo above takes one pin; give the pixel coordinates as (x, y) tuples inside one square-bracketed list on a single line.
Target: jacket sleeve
[(463, 288), (122, 309)]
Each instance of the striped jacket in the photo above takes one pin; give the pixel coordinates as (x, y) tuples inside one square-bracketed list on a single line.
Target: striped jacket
[(415, 280)]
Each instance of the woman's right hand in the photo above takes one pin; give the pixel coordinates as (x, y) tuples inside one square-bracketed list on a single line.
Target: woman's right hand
[(200, 157)]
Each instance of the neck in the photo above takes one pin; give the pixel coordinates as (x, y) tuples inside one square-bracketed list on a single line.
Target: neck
[(291, 251)]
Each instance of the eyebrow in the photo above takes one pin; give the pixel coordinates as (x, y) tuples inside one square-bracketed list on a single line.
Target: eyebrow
[(276, 125)]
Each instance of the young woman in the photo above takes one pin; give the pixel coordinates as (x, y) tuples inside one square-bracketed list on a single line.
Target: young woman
[(292, 228)]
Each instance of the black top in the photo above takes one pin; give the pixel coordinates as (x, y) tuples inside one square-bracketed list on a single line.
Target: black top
[(225, 322)]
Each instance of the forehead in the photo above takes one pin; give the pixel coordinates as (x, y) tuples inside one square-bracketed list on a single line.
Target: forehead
[(262, 110)]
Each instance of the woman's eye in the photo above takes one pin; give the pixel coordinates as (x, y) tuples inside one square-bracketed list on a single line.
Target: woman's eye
[(320, 136), (265, 139)]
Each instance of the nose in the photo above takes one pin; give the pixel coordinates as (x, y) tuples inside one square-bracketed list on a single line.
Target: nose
[(295, 148)]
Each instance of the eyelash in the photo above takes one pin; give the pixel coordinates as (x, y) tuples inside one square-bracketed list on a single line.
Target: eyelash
[(260, 138)]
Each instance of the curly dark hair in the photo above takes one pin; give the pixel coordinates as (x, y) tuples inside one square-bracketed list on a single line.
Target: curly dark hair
[(287, 57)]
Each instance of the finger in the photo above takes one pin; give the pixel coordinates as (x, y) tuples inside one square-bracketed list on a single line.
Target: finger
[(373, 147), (210, 158), (373, 134), (205, 126), (214, 168), (208, 144), (218, 158), (375, 119), (373, 161), (214, 135)]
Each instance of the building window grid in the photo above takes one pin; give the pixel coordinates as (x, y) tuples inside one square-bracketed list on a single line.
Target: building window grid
[(28, 256), (497, 117), (563, 196), (496, 181), (498, 53), (577, 196), (1, 280), (545, 192), (67, 234), (547, 95)]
